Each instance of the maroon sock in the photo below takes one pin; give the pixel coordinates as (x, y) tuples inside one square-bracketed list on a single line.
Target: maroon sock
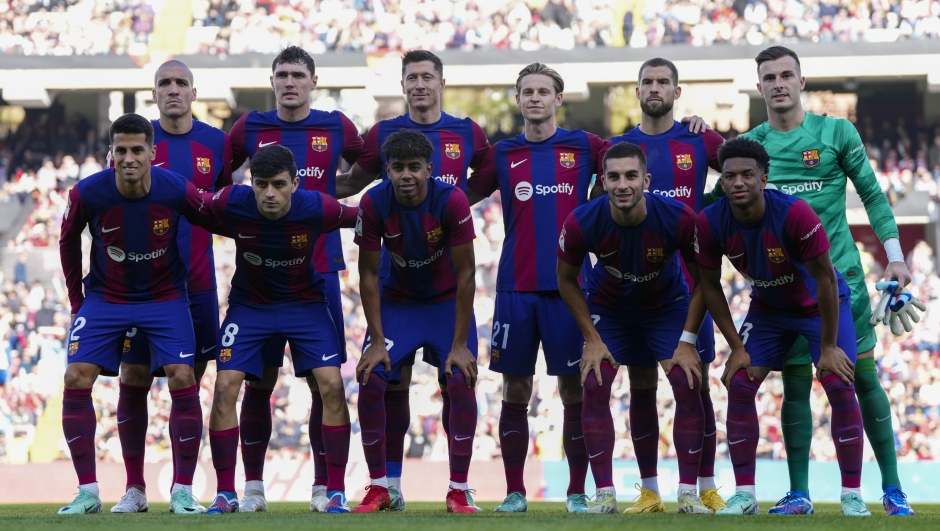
[(644, 429), (78, 424), (255, 426), (186, 426), (598, 439), (743, 427), (445, 410), (706, 468), (336, 443), (397, 421), (514, 443), (463, 426), (132, 423), (688, 431), (315, 432), (224, 445), (372, 424), (846, 424)]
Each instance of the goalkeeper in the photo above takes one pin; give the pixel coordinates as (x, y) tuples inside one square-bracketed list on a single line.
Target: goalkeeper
[(811, 157)]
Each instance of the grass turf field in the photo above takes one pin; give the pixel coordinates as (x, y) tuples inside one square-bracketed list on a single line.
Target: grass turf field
[(541, 516)]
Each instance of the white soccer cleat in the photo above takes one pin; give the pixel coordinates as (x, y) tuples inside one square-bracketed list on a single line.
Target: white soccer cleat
[(318, 499), (253, 502), (133, 501), (605, 502)]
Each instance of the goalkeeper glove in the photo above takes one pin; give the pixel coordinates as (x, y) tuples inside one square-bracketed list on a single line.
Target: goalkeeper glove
[(902, 308), (880, 313)]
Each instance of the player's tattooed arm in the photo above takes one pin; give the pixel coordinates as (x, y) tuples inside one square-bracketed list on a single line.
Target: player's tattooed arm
[(832, 358), (354, 181), (460, 356), (710, 282), (376, 353)]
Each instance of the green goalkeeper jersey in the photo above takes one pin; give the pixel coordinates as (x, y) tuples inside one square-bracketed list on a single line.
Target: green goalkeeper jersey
[(812, 163)]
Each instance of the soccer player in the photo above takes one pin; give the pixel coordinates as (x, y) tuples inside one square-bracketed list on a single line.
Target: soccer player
[(136, 280), (427, 228), (317, 139), (780, 246), (459, 145), (200, 153), (276, 293), (813, 158), (678, 164), (542, 175), (637, 312)]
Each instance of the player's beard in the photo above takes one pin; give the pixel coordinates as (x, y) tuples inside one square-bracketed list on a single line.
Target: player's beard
[(657, 112)]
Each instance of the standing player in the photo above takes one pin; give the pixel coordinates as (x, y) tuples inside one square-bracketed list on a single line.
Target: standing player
[(276, 293), (813, 157), (459, 145), (780, 246), (542, 175), (317, 139), (636, 307), (678, 163), (427, 228), (136, 280), (200, 153)]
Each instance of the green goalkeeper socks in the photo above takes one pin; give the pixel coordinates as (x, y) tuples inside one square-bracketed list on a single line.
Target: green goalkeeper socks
[(796, 419), (876, 415)]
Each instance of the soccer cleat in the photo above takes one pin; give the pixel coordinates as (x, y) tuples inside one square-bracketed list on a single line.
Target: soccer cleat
[(895, 502), (690, 503), (398, 499), (224, 503), (852, 505), (253, 502), (377, 499), (740, 504), (318, 499), (795, 502), (711, 499), (133, 501), (605, 502), (182, 502), (647, 502), (460, 501), (337, 502), (577, 503), (514, 503), (87, 502)]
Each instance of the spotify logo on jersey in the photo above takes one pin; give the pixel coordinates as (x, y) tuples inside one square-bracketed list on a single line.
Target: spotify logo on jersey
[(523, 191), (252, 258), (398, 260), (116, 253)]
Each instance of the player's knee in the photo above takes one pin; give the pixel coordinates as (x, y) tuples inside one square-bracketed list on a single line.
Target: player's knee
[(312, 384), (569, 389), (268, 378), (227, 386), (517, 389), (136, 374), (179, 376), (79, 377), (199, 370), (643, 377)]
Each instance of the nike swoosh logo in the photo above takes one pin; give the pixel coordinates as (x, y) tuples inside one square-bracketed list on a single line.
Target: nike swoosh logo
[(369, 444), (849, 439), (462, 438), (576, 438), (123, 421), (186, 355), (514, 164), (72, 439), (246, 443), (245, 236), (265, 144), (642, 437), (595, 455), (884, 419), (158, 165), (857, 341), (736, 442), (573, 363), (389, 236), (207, 349), (712, 433), (186, 439), (606, 255), (109, 230), (697, 451), (505, 433), (322, 453), (735, 256), (327, 358)]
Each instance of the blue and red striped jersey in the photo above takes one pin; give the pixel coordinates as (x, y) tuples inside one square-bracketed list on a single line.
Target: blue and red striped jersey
[(273, 257), (317, 142), (459, 144), (771, 254), (419, 239), (540, 183), (134, 253), (637, 267)]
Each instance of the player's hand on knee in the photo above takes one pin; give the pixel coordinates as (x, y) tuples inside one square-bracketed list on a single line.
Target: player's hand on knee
[(898, 271), (834, 360), (738, 360), (593, 355), (373, 355), (687, 358), (461, 357)]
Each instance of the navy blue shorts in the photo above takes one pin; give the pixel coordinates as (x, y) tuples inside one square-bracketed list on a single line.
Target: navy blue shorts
[(204, 308), (307, 326), (641, 339), (522, 320), (100, 328), (274, 348)]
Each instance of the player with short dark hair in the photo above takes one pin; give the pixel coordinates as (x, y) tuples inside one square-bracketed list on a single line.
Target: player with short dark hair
[(137, 280), (637, 312), (201, 153), (318, 140), (542, 175), (427, 229), (276, 293), (780, 246)]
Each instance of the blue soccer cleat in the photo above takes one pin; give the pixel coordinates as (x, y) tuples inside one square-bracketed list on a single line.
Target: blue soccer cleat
[(224, 503), (795, 502), (895, 502), (337, 503)]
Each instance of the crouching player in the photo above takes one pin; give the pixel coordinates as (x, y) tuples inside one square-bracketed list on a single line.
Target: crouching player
[(427, 228), (637, 311), (778, 243), (276, 293)]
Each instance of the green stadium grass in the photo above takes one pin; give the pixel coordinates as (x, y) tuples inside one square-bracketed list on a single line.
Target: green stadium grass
[(541, 516)]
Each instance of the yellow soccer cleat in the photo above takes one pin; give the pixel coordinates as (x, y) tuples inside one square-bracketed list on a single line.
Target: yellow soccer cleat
[(711, 499), (647, 502)]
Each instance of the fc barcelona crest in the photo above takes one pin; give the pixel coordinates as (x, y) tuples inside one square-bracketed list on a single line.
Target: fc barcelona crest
[(203, 164), (319, 143), (127, 346), (434, 234), (566, 160), (811, 158), (73, 348), (684, 161), (654, 254), (452, 151), (225, 354), (161, 226), (298, 241), (775, 255)]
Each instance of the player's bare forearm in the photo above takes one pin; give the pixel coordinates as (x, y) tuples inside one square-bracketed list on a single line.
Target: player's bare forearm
[(693, 321), (573, 297), (369, 292), (715, 303), (352, 182), (465, 268), (827, 293)]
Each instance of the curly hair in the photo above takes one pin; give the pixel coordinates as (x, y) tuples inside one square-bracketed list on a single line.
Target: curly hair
[(407, 144), (745, 148), (294, 55)]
